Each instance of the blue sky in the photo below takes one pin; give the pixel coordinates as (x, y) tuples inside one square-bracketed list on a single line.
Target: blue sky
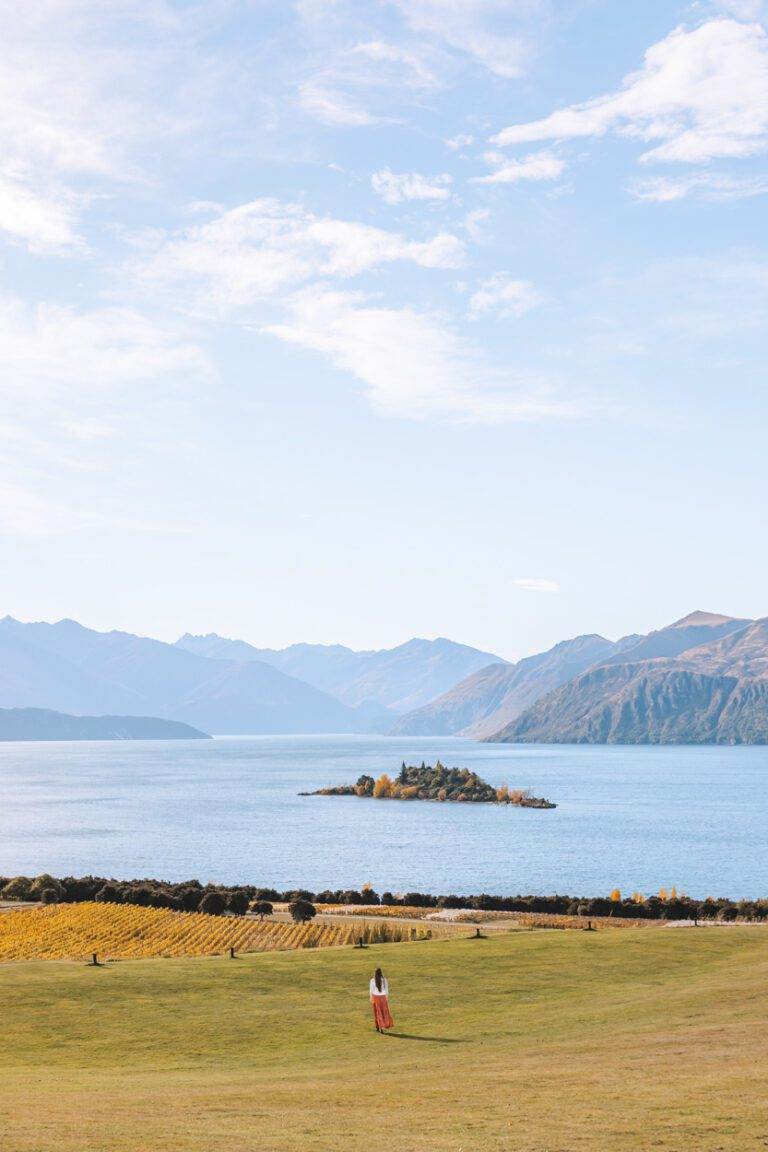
[(346, 322)]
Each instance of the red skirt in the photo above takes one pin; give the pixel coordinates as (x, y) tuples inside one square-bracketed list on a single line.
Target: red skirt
[(381, 1013)]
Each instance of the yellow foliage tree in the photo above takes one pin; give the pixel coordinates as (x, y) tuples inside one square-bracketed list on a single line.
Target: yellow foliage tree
[(662, 893), (616, 895), (383, 786)]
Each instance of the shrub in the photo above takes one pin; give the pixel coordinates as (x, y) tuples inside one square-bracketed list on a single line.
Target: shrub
[(49, 896), (212, 903), (301, 911)]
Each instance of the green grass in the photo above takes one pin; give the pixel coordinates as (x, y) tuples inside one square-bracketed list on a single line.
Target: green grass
[(528, 1042)]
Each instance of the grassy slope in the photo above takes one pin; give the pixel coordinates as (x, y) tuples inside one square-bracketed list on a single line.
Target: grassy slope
[(534, 1042)]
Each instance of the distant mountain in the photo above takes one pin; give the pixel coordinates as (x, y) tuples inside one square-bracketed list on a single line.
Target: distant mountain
[(495, 695), (705, 681), (42, 724), (399, 678), (69, 668), (697, 628)]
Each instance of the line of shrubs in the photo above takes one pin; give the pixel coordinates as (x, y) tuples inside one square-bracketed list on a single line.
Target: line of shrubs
[(192, 896)]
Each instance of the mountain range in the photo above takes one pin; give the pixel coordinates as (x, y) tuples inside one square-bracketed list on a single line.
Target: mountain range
[(69, 668), (399, 678), (702, 679)]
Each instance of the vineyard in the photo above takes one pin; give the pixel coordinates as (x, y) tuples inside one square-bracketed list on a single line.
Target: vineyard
[(130, 932), (476, 916)]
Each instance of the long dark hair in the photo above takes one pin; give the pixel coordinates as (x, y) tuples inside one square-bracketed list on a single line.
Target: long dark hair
[(377, 976)]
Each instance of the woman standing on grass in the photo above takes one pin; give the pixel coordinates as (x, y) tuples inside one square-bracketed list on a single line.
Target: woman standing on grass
[(379, 991)]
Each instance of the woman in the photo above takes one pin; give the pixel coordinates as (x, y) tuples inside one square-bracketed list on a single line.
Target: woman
[(382, 1017)]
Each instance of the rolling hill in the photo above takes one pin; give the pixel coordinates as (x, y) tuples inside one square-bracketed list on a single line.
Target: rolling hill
[(42, 724)]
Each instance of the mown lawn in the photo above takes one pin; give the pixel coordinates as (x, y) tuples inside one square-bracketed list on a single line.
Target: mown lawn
[(532, 1042)]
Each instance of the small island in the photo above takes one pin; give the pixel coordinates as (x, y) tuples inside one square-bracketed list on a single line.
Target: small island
[(438, 783)]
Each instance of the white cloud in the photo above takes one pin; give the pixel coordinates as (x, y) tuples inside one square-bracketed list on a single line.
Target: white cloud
[(261, 249), (48, 346), (332, 107), (470, 27), (410, 363), (701, 94), (45, 223), (715, 186), (462, 140), (357, 86), (395, 187), (533, 584), (534, 166), (502, 296)]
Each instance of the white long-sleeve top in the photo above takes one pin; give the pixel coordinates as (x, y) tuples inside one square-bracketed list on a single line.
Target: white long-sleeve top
[(383, 991)]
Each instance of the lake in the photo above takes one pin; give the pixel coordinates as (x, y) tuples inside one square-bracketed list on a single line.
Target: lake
[(228, 810)]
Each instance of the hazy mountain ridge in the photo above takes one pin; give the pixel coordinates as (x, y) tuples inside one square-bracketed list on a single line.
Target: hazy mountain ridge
[(399, 679), (73, 669), (44, 724), (495, 695), (714, 693)]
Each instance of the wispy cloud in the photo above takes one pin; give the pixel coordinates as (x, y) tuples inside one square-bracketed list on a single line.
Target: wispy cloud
[(503, 296), (471, 28), (259, 250), (534, 166), (714, 186), (701, 93), (534, 584), (395, 187), (412, 363)]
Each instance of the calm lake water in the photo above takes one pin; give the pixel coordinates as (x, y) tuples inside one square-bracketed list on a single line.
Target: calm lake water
[(228, 810)]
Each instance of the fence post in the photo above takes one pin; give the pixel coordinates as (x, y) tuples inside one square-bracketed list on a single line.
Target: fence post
[(232, 953)]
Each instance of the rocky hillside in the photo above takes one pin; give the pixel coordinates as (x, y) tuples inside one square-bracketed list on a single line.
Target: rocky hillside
[(494, 696), (707, 693)]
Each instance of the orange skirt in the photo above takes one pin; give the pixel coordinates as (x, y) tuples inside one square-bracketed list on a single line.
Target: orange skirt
[(381, 1013)]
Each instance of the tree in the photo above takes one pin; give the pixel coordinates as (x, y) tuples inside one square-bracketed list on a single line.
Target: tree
[(212, 903), (109, 894), (190, 898), (49, 896), (383, 786), (17, 888), (237, 902), (262, 908), (40, 883), (302, 911)]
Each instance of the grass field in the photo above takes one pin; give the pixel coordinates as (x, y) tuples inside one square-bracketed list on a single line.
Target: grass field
[(526, 1042)]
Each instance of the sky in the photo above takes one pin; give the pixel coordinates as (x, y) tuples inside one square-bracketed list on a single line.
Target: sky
[(346, 321)]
